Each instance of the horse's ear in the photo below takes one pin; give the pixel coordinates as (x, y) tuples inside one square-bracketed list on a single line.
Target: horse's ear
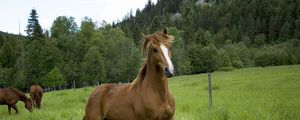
[(144, 36), (165, 31), (170, 37)]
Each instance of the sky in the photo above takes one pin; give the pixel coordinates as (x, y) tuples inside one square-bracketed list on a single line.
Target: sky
[(13, 12)]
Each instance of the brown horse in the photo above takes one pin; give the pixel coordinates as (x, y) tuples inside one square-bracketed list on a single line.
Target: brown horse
[(147, 97), (10, 97), (36, 94)]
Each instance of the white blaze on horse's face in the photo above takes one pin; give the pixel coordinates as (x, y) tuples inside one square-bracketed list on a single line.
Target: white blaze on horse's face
[(166, 54)]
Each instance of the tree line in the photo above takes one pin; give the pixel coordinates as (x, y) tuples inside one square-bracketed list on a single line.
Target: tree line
[(67, 53), (209, 35)]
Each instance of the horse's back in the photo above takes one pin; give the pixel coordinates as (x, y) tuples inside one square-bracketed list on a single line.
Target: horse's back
[(9, 92), (36, 89)]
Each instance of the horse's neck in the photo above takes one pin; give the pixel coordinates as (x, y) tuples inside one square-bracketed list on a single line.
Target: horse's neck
[(151, 80), (21, 96), (155, 81)]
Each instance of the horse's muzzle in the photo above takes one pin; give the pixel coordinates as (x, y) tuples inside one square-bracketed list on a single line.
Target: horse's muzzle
[(169, 73)]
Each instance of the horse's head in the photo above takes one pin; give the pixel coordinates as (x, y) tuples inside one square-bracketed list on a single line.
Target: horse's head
[(28, 105), (158, 49)]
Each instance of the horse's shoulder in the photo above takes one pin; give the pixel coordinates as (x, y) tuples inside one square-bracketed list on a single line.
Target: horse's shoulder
[(104, 88), (113, 89)]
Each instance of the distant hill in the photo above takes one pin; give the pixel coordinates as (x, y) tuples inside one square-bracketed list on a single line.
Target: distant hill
[(5, 33), (2, 33), (220, 34), (234, 20)]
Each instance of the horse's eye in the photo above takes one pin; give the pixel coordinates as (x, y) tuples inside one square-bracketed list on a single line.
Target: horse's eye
[(154, 50)]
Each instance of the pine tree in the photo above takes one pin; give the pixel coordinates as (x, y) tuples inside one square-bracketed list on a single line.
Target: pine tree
[(155, 25), (273, 28), (34, 30), (297, 29), (284, 32), (137, 34)]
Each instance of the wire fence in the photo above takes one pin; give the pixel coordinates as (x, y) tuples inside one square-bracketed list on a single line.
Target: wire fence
[(70, 85)]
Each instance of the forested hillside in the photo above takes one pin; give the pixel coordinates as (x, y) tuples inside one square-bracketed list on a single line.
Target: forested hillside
[(223, 34), (209, 35)]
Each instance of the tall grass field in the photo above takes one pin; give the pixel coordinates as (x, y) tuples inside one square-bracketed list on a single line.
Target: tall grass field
[(270, 93)]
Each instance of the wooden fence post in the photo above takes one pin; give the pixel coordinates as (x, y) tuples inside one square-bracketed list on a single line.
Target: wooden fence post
[(74, 85), (84, 86), (210, 91)]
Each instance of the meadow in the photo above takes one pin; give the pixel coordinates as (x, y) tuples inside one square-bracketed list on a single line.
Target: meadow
[(269, 93)]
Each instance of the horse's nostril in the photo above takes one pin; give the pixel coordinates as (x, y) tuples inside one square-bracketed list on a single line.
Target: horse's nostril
[(166, 69), (168, 72)]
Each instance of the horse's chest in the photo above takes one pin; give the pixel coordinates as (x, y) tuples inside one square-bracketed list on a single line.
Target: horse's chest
[(163, 112)]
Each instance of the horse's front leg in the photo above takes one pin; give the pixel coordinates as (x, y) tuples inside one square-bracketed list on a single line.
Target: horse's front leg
[(9, 109), (15, 107)]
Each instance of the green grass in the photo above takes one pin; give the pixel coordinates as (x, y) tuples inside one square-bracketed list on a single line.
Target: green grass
[(270, 93), (59, 105)]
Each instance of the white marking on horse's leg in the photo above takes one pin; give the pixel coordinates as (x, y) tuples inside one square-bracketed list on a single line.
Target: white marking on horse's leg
[(165, 51)]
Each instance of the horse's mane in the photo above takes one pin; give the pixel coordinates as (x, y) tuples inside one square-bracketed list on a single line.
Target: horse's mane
[(141, 75), (19, 93)]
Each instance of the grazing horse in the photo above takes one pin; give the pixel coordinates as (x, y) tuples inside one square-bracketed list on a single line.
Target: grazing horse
[(10, 97), (147, 97), (36, 94)]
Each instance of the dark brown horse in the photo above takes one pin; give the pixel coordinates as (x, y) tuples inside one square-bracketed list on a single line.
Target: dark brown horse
[(10, 97), (147, 97), (36, 94)]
